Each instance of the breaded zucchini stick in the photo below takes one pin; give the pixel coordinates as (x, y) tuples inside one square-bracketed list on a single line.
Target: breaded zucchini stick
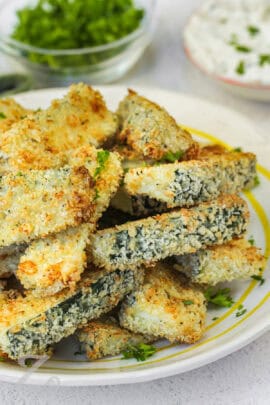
[(165, 307), (232, 261), (149, 129), (57, 261), (177, 232), (40, 141), (38, 202), (28, 325), (10, 112), (184, 184), (105, 337)]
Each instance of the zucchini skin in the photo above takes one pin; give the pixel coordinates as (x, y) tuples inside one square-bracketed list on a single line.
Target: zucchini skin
[(174, 233), (95, 296)]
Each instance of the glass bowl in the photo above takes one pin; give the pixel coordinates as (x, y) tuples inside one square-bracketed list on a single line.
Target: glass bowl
[(96, 65)]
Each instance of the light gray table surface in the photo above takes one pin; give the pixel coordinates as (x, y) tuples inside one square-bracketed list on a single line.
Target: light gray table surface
[(241, 378)]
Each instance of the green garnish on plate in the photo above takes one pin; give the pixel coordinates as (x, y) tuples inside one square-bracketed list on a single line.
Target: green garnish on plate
[(251, 241), (171, 157), (220, 298), (258, 278), (238, 149), (240, 311), (102, 157), (140, 352)]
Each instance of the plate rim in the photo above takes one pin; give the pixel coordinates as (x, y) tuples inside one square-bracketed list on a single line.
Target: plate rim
[(233, 344)]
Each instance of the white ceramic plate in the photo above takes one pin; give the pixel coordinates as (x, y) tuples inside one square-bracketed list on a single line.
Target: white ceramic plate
[(228, 333)]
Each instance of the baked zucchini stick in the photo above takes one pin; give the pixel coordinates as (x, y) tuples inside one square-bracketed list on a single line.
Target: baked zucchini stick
[(36, 203), (177, 232), (105, 337), (232, 261), (28, 325), (184, 184), (57, 261), (165, 307), (40, 140), (10, 112), (149, 129)]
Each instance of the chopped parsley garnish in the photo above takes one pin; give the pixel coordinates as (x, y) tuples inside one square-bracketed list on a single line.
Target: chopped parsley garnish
[(172, 157), (238, 149), (97, 195), (29, 362), (242, 48), (251, 241), (240, 311), (258, 278), (2, 115), (264, 59), (140, 352), (221, 298), (256, 181), (75, 24), (215, 318), (2, 359), (102, 157), (188, 302), (241, 68), (253, 30)]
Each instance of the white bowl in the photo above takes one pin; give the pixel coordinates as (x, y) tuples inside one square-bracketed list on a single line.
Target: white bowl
[(255, 90)]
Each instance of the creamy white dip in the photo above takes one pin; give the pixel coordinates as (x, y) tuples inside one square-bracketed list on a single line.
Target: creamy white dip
[(231, 38)]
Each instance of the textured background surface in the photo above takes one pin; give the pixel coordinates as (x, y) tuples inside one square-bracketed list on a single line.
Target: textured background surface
[(241, 378)]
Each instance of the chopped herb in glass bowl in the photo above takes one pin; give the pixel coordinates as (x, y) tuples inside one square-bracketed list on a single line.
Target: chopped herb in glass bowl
[(70, 40)]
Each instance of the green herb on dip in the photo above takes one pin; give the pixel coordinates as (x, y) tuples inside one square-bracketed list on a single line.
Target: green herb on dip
[(240, 68), (253, 30)]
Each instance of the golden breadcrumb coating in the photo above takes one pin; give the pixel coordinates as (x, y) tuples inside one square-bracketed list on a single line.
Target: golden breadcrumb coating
[(165, 307), (57, 261), (10, 112), (149, 129), (233, 261), (40, 140), (105, 337)]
